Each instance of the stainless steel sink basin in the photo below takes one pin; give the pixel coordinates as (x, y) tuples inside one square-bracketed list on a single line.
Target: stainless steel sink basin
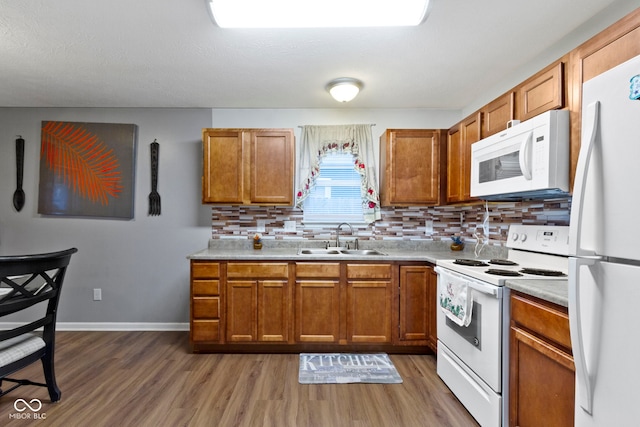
[(361, 252), (339, 251), (319, 252)]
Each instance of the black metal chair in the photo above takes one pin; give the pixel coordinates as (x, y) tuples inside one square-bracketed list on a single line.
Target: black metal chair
[(25, 281)]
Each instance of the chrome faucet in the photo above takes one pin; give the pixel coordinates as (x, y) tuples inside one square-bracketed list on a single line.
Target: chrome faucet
[(338, 233)]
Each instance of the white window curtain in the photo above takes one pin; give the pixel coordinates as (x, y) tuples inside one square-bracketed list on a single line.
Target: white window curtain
[(317, 141)]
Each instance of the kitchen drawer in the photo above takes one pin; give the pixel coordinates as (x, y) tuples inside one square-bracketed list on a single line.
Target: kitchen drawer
[(206, 307), (205, 270), (369, 271), (257, 269), (317, 269), (205, 330), (206, 287), (548, 320)]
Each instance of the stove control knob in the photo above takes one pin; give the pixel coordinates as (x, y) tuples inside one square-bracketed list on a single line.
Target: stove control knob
[(514, 236), (523, 237), (476, 341)]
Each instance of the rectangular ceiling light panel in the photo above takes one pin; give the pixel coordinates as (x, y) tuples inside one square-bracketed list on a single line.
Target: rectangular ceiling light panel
[(315, 14)]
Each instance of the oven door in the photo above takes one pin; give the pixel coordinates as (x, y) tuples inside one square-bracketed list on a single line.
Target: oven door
[(479, 345)]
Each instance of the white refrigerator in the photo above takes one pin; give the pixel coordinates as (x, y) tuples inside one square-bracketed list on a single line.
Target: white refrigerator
[(604, 274)]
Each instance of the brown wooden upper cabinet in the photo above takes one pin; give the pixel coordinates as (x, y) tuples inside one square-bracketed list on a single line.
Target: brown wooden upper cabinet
[(542, 92), (411, 161), (497, 113), (459, 140), (613, 46), (248, 166)]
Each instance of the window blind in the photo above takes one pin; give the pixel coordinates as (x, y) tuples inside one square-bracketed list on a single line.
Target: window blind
[(336, 196)]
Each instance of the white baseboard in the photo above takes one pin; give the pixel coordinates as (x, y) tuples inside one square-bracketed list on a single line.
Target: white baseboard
[(109, 326)]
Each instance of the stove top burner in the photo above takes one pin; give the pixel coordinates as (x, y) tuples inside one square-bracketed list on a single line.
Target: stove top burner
[(500, 272), (471, 262), (542, 272), (502, 262)]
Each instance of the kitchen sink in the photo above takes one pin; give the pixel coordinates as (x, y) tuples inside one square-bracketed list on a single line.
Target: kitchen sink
[(339, 251)]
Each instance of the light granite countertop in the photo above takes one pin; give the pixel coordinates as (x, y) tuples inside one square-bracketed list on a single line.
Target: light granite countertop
[(401, 250), (555, 291)]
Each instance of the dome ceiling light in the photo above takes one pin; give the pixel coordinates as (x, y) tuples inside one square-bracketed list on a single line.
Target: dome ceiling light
[(344, 89), (317, 13)]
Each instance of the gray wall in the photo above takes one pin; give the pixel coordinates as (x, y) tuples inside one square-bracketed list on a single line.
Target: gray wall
[(139, 264)]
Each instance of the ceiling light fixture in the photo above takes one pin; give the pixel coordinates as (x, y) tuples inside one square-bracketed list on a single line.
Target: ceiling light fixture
[(344, 89), (317, 13)]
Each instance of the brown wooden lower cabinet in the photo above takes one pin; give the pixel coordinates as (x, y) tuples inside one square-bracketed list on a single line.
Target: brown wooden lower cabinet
[(296, 306), (257, 310), (542, 372), (418, 285), (317, 311), (369, 303)]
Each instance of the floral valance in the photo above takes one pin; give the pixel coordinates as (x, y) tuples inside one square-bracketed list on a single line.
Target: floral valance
[(317, 141)]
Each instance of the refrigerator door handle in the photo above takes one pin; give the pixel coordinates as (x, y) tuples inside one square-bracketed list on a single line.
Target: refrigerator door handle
[(584, 382), (525, 156), (591, 122)]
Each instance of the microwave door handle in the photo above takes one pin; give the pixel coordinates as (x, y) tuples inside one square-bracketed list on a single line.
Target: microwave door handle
[(590, 124), (525, 156)]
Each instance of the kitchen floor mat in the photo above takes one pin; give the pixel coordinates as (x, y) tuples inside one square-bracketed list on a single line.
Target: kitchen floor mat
[(345, 368)]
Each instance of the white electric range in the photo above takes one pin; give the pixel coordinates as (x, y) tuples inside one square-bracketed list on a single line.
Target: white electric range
[(473, 359)]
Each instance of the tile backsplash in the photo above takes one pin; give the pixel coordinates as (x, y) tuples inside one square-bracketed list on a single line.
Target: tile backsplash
[(410, 223)]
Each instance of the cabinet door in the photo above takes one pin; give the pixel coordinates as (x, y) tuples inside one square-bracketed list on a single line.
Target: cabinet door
[(414, 303), (471, 132), (273, 311), (272, 167), (455, 164), (317, 305), (541, 382), (459, 140), (432, 297), (222, 173), (242, 309), (497, 113), (542, 92), (412, 165), (369, 311), (541, 369)]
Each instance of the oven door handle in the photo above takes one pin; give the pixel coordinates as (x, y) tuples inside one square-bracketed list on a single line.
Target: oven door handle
[(475, 285)]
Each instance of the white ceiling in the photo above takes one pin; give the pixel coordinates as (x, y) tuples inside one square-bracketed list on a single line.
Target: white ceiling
[(168, 53)]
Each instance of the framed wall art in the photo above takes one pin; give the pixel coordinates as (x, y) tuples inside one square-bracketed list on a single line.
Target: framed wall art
[(87, 169)]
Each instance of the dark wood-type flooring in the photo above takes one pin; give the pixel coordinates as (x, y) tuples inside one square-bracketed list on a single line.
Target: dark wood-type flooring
[(151, 379)]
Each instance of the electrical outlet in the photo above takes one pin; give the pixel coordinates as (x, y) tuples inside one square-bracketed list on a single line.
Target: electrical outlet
[(97, 294), (428, 227)]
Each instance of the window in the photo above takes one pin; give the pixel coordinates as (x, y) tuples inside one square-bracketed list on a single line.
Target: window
[(336, 196)]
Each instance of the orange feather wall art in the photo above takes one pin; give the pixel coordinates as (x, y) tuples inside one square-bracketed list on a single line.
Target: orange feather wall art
[(87, 169)]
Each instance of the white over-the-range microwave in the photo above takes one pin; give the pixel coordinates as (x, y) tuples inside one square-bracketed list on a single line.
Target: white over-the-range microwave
[(529, 160)]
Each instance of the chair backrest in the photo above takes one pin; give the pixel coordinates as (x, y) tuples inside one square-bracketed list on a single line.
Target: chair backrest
[(26, 280)]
